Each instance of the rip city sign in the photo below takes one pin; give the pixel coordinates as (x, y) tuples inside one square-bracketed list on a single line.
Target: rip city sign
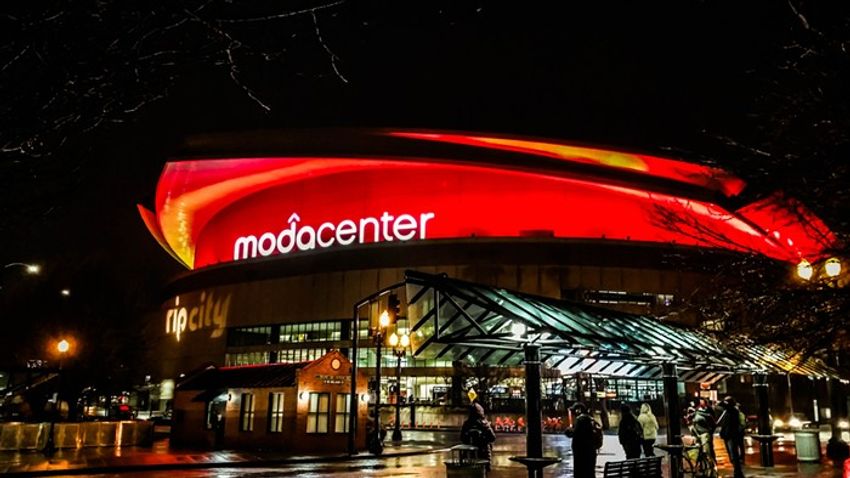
[(210, 313), (385, 228)]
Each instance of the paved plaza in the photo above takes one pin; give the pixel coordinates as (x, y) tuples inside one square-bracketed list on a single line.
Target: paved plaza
[(422, 454)]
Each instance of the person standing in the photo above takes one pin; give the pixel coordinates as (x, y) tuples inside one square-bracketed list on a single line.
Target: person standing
[(476, 430), (630, 433), (731, 432), (705, 424), (587, 438), (649, 425)]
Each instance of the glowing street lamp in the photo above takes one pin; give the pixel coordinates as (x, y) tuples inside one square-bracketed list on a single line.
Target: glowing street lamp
[(832, 267), (32, 269), (805, 270), (376, 446), (63, 347), (399, 345), (384, 319)]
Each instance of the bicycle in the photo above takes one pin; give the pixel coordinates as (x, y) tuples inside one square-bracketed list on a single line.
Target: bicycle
[(696, 461)]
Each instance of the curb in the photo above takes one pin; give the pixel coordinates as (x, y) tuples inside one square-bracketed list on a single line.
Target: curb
[(221, 464)]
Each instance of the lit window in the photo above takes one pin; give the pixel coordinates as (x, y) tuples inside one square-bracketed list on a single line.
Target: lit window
[(317, 413), (275, 412), (246, 413), (343, 405)]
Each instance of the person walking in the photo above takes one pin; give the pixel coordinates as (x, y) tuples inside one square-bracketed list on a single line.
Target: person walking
[(476, 430), (630, 432), (649, 425), (587, 438), (731, 432)]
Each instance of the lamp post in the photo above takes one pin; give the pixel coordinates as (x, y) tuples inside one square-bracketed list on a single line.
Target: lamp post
[(29, 269), (534, 460), (831, 276), (376, 445), (399, 345), (62, 347), (32, 269)]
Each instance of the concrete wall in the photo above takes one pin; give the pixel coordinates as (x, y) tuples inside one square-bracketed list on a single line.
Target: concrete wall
[(33, 436)]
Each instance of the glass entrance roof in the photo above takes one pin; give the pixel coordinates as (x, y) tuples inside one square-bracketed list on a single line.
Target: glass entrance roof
[(457, 320)]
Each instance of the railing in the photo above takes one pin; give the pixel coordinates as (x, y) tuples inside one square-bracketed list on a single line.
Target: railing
[(33, 436)]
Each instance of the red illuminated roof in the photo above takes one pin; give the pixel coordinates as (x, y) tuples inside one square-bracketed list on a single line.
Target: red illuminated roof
[(408, 186)]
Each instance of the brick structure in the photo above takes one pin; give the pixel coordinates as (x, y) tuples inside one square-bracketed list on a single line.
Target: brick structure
[(301, 407)]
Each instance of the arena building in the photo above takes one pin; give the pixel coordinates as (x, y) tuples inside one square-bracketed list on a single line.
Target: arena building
[(284, 232)]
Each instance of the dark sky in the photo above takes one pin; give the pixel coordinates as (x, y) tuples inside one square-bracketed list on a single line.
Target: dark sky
[(647, 75)]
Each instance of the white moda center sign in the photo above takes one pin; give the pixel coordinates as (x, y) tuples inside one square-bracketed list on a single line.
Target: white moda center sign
[(297, 237)]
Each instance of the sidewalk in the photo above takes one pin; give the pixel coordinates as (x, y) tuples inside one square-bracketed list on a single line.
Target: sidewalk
[(421, 455), (160, 457)]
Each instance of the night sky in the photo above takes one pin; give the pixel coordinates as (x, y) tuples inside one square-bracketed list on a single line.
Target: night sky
[(667, 77)]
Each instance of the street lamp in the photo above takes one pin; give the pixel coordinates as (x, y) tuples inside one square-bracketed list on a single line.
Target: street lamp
[(832, 267), (805, 270), (830, 277), (62, 347), (376, 445), (399, 345), (32, 269)]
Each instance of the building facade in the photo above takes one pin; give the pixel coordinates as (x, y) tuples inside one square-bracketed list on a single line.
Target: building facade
[(284, 233), (300, 407)]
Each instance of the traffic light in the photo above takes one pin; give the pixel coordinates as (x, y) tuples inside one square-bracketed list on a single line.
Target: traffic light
[(393, 307)]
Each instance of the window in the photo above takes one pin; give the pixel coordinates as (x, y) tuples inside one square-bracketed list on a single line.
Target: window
[(275, 412), (343, 405), (246, 413), (242, 336), (248, 358), (317, 413), (619, 297), (299, 355), (311, 332)]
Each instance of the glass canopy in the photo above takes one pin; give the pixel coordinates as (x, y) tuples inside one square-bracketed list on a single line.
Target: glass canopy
[(459, 320)]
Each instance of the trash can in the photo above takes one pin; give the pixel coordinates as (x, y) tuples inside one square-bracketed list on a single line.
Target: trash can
[(807, 444), (464, 463)]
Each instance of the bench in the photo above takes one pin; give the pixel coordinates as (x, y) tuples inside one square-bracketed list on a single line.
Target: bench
[(635, 468)]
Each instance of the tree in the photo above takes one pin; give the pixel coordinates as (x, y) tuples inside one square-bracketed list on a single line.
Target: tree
[(796, 140)]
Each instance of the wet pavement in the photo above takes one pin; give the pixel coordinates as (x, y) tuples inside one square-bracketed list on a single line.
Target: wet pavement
[(424, 464)]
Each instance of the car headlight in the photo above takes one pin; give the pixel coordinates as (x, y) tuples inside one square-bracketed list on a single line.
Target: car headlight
[(795, 423), (843, 424), (778, 423)]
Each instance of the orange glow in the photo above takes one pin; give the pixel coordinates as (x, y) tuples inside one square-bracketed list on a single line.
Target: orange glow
[(703, 176)]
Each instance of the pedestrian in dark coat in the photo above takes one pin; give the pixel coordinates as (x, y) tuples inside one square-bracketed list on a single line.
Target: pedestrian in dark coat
[(630, 433), (477, 431), (586, 437), (732, 433)]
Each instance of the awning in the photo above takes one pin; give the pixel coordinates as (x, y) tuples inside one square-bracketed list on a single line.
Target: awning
[(456, 320)]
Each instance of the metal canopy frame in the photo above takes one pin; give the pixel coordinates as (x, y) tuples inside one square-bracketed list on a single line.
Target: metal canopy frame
[(460, 319)]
